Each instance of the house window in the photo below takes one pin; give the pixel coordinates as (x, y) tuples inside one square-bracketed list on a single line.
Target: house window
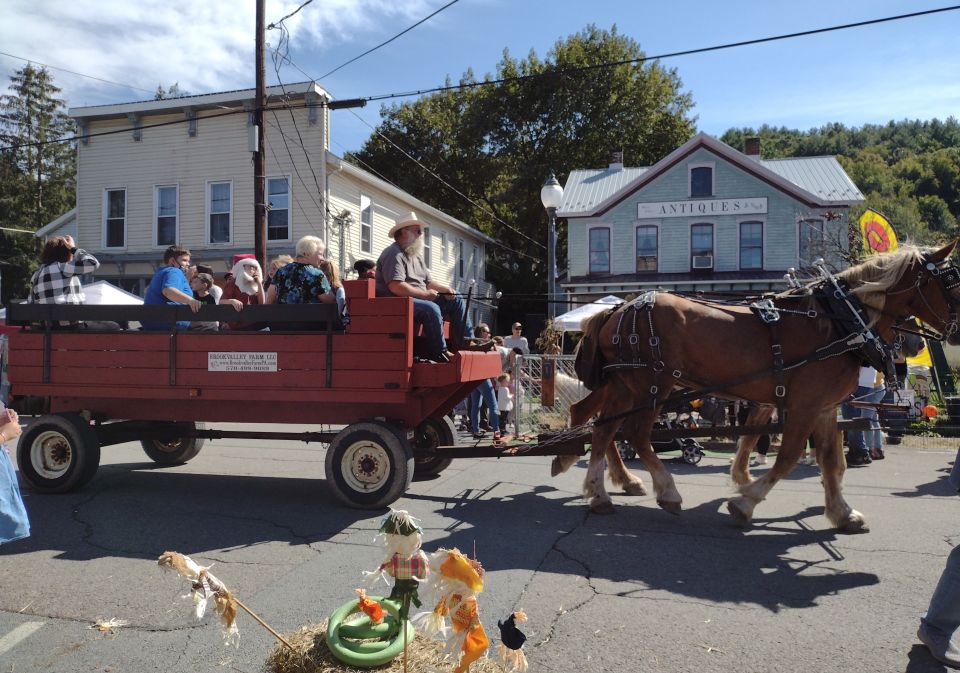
[(751, 245), (812, 241), (366, 224), (278, 211), (461, 262), (220, 208), (701, 246), (444, 255), (165, 199), (115, 218), (600, 250), (426, 247), (475, 264), (646, 248), (701, 181)]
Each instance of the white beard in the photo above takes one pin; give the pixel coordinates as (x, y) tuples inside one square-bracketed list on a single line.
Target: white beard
[(415, 249), (245, 283)]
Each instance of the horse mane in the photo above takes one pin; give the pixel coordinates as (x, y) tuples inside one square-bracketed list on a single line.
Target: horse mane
[(870, 280)]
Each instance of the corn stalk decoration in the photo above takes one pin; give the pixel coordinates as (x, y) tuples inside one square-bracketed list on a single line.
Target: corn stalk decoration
[(204, 586)]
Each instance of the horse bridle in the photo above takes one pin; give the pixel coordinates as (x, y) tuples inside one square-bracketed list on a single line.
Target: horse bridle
[(948, 275)]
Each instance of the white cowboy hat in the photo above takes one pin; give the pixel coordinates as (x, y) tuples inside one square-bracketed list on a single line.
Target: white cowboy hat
[(408, 220)]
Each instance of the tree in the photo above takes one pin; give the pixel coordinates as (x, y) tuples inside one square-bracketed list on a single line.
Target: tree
[(497, 143), (37, 169)]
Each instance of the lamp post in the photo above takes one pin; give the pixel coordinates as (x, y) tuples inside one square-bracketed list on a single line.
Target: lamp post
[(551, 195)]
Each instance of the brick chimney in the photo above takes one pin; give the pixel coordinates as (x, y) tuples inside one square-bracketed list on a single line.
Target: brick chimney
[(616, 159), (751, 147)]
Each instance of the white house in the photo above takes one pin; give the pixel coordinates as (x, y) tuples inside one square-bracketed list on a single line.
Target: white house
[(159, 172)]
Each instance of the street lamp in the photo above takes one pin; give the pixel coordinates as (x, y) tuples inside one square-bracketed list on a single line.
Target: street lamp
[(551, 195)]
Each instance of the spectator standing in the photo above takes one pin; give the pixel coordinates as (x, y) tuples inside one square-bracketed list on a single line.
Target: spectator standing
[(169, 286), (857, 453), (940, 625), (14, 524), (873, 438), (516, 339), (504, 400), (484, 392)]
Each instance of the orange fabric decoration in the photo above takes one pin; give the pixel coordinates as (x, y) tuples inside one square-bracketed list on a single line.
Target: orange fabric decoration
[(370, 607)]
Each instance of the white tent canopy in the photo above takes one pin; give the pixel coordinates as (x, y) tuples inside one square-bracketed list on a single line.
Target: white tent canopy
[(572, 321), (103, 292)]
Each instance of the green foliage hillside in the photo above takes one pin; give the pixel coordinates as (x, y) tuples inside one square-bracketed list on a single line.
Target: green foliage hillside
[(908, 170)]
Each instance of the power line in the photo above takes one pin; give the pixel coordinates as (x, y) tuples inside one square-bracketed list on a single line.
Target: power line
[(79, 74), (644, 59), (277, 24), (447, 184), (382, 44)]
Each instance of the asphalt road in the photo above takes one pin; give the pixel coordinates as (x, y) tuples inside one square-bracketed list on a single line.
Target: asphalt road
[(639, 590)]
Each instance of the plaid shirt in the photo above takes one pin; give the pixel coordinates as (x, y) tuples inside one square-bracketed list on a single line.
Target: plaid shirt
[(411, 567), (59, 282)]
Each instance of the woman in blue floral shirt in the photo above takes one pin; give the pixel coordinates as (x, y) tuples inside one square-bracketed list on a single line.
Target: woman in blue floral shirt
[(301, 281)]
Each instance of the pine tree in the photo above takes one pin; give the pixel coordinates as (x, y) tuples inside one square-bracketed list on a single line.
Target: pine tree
[(37, 170)]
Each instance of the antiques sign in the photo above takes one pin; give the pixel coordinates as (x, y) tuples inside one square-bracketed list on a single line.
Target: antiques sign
[(231, 361), (705, 207)]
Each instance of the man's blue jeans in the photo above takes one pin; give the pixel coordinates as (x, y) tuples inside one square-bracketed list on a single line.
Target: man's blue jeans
[(855, 438), (430, 314), (485, 391)]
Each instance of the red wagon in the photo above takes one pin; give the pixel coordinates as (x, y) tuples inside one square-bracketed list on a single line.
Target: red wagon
[(100, 388)]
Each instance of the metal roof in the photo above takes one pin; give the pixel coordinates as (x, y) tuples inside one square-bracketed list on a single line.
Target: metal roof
[(823, 176), (817, 180), (591, 187)]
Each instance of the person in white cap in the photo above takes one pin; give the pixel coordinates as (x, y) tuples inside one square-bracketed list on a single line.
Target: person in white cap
[(401, 272), (517, 340)]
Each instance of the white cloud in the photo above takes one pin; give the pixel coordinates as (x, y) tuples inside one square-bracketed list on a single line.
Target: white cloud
[(204, 45)]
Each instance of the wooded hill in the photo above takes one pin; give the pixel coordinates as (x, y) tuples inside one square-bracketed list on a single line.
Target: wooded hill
[(908, 170)]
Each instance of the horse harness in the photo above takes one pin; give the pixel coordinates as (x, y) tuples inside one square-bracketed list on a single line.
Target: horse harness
[(838, 304)]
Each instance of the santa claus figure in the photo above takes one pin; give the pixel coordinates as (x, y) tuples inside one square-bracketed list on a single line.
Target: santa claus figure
[(244, 289)]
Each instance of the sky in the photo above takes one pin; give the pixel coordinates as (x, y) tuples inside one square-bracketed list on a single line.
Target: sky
[(905, 69)]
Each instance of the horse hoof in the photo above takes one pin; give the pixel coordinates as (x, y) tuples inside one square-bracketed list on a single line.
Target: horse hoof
[(602, 507), (634, 489), (739, 515), (854, 524), (556, 467), (673, 507)]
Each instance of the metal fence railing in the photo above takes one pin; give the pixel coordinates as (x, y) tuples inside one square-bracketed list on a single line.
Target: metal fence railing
[(531, 415)]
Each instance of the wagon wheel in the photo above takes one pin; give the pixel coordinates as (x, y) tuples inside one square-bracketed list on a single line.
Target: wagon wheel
[(175, 450), (430, 434), (58, 453), (369, 465)]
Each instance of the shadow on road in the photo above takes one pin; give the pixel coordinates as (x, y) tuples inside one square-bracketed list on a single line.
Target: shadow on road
[(919, 660), (129, 508), (699, 554)]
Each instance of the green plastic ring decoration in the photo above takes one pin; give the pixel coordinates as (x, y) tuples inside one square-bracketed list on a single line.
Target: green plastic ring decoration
[(371, 653)]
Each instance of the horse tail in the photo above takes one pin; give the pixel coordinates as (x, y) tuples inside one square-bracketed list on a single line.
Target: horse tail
[(589, 360)]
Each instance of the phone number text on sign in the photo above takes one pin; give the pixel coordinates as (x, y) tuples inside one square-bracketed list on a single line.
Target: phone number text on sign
[(231, 361)]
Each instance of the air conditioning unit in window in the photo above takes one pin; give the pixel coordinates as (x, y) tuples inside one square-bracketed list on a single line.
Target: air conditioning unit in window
[(703, 261)]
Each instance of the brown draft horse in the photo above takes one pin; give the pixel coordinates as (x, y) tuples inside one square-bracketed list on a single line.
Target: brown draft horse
[(705, 344)]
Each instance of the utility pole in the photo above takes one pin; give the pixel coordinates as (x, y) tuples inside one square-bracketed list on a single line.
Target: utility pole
[(259, 169)]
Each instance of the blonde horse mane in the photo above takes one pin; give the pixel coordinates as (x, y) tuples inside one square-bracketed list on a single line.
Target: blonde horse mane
[(871, 280)]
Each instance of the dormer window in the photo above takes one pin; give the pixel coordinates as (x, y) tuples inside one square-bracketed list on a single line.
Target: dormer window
[(701, 181)]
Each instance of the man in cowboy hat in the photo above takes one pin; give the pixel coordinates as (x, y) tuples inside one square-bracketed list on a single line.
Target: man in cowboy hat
[(401, 272)]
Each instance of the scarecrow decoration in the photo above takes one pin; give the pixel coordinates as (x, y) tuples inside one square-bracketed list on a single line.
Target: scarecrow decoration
[(454, 583), (205, 585), (511, 642), (406, 565)]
